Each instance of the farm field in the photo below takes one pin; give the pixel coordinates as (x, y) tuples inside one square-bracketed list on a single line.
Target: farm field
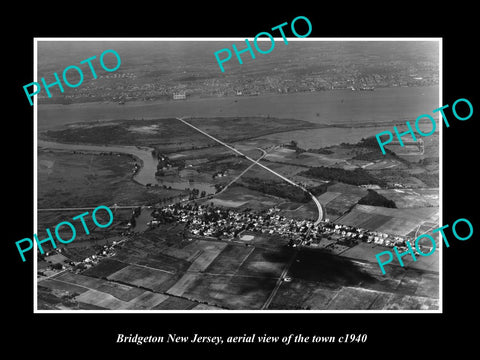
[(301, 294), (379, 164), (340, 198), (230, 260), (305, 159), (356, 286), (143, 277), (387, 220), (352, 299), (120, 291), (302, 211), (175, 303), (231, 292), (243, 198), (105, 268), (366, 252), (238, 278), (290, 171), (234, 276), (62, 286), (102, 299), (412, 198), (208, 254)]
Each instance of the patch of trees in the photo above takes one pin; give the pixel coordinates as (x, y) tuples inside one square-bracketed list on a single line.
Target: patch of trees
[(377, 155), (278, 189), (320, 189), (371, 156), (374, 152), (429, 161), (323, 151), (294, 146), (430, 179), (369, 142), (234, 163), (165, 162), (358, 176), (196, 194), (375, 199)]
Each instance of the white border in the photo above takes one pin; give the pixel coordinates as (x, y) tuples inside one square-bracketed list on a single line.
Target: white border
[(35, 218)]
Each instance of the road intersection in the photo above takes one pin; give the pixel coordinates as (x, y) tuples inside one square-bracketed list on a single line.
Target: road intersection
[(257, 162)]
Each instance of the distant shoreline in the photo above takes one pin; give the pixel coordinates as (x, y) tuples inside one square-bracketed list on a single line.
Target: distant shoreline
[(212, 97), (339, 107)]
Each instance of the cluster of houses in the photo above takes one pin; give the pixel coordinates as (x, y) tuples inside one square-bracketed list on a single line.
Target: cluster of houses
[(226, 224), (220, 174), (92, 260), (107, 250)]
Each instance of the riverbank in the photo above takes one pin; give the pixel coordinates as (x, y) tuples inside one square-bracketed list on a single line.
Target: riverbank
[(326, 107)]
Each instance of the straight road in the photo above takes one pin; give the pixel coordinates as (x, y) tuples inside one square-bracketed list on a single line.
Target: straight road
[(243, 172), (280, 280), (319, 206)]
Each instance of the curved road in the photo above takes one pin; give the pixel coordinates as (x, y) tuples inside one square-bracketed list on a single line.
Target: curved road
[(319, 206)]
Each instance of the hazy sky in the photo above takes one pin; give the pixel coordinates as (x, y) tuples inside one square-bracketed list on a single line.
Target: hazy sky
[(198, 56)]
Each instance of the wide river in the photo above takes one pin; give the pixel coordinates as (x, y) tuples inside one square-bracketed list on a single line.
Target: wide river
[(324, 107)]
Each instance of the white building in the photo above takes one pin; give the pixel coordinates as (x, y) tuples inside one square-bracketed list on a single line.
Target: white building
[(179, 96)]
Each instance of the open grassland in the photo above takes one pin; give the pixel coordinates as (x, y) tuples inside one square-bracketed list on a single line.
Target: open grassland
[(170, 132)]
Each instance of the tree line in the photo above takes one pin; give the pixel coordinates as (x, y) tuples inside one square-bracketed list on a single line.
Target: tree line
[(357, 176)]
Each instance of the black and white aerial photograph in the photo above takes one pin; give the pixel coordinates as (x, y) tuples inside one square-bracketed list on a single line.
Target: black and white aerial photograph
[(260, 188), (190, 179)]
